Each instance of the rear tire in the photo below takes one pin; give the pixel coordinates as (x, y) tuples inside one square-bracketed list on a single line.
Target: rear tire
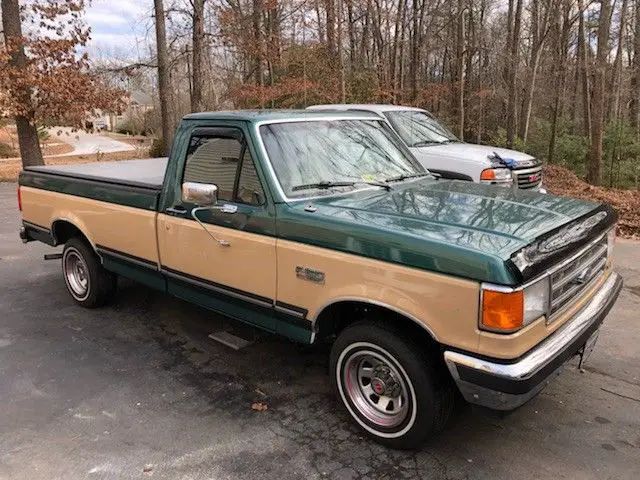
[(87, 281), (389, 385)]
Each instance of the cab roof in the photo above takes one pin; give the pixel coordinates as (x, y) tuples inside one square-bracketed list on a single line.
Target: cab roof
[(364, 107), (256, 116)]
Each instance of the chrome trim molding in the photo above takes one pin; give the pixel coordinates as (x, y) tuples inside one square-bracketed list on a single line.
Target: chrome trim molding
[(151, 265), (36, 227), (533, 362), (288, 311), (216, 289)]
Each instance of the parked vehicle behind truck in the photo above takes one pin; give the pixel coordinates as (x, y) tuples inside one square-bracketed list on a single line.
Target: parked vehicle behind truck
[(323, 227), (442, 153)]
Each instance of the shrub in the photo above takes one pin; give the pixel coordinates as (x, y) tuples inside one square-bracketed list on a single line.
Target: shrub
[(157, 148), (6, 151)]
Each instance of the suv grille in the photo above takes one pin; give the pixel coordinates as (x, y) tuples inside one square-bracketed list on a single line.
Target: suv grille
[(528, 178), (569, 281)]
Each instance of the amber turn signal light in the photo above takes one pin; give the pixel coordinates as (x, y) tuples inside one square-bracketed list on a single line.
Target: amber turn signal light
[(488, 174), (502, 311)]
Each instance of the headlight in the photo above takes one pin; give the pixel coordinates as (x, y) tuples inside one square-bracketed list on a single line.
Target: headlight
[(497, 176), (536, 300), (505, 310), (611, 241)]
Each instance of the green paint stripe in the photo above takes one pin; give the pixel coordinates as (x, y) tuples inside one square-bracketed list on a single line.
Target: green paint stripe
[(129, 196)]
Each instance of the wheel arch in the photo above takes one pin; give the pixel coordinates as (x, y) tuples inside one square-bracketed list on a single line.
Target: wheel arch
[(63, 228), (340, 313)]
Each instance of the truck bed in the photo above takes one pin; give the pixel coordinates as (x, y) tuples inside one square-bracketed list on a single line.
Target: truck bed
[(147, 173), (132, 183)]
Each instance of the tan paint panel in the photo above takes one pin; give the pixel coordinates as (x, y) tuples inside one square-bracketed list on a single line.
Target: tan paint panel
[(249, 264), (129, 230), (445, 305), (514, 345)]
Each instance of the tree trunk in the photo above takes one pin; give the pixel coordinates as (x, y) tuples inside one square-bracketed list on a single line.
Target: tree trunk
[(583, 59), (616, 84), (331, 28), (460, 68), (597, 125), (513, 73), (635, 83), (164, 82), (561, 72), (539, 27), (257, 45), (27, 132), (198, 46)]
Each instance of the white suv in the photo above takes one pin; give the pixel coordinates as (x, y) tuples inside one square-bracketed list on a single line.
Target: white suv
[(442, 153)]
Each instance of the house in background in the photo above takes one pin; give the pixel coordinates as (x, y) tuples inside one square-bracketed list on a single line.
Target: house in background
[(133, 119)]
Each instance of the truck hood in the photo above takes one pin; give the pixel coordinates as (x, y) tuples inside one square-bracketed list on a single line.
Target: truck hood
[(459, 228), (475, 153)]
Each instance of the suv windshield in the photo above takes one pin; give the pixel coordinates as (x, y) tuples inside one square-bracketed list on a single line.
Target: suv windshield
[(314, 156), (419, 129)]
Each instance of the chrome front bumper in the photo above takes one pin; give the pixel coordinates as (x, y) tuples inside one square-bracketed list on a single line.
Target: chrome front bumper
[(505, 385)]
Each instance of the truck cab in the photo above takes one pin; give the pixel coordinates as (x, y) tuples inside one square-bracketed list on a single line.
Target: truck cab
[(442, 153)]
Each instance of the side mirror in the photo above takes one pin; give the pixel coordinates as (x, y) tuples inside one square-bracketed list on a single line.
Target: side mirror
[(202, 194)]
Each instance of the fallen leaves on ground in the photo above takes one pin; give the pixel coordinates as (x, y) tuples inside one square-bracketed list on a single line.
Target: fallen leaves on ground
[(259, 406), (560, 181)]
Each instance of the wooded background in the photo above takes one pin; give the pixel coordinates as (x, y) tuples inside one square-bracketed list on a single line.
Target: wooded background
[(557, 78)]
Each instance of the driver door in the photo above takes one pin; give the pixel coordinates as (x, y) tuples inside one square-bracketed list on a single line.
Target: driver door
[(239, 279)]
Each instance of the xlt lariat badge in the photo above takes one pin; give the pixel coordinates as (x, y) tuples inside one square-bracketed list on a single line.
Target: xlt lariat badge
[(305, 273)]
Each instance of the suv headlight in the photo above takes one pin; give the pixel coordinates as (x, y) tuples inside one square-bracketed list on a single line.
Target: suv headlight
[(497, 176), (505, 310)]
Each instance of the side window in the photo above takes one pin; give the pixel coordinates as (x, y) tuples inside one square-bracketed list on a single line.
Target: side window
[(227, 163), (249, 187), (213, 160)]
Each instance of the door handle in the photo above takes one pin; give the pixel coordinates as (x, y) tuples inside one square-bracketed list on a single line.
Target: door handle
[(176, 211)]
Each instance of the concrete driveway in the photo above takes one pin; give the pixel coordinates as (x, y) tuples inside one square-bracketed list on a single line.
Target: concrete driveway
[(84, 143), (137, 390)]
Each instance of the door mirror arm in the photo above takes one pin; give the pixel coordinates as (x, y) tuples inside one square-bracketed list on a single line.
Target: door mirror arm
[(206, 197)]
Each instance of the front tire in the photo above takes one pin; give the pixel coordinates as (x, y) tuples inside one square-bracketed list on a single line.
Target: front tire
[(389, 385), (87, 281)]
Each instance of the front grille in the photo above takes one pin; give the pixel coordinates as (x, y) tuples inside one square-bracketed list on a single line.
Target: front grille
[(571, 280), (528, 178)]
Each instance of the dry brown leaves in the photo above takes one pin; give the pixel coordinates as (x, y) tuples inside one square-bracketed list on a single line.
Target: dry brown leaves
[(259, 406), (560, 181)]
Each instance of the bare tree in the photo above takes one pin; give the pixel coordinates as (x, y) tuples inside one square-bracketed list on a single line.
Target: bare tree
[(164, 88), (198, 52), (512, 62), (599, 85)]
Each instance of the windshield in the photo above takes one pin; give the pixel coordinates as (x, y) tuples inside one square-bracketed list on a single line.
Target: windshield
[(419, 129), (315, 156)]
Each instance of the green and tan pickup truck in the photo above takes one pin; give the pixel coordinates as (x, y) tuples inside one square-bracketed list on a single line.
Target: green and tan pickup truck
[(321, 226)]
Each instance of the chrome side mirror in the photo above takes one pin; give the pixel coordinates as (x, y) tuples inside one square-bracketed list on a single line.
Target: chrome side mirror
[(202, 194)]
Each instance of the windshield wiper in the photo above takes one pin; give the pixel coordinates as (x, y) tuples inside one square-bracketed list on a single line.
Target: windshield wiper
[(424, 143), (400, 178), (324, 184)]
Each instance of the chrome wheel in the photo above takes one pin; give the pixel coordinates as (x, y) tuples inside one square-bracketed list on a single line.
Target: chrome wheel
[(376, 389), (76, 274)]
